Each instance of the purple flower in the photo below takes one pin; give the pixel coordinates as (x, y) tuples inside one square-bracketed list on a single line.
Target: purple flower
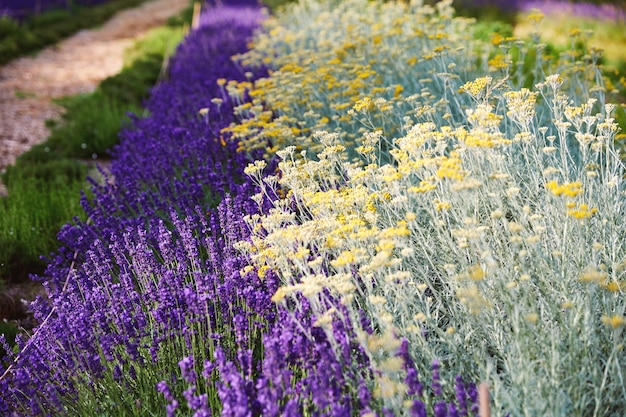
[(452, 410), (164, 389), (155, 263), (170, 409), (441, 409), (187, 369), (461, 395), (604, 11), (472, 393), (436, 384), (411, 380), (418, 409)]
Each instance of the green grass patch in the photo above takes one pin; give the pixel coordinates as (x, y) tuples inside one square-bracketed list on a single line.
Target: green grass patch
[(40, 201), (562, 30), (45, 29)]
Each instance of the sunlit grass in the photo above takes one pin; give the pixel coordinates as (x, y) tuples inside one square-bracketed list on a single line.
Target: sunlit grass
[(557, 30)]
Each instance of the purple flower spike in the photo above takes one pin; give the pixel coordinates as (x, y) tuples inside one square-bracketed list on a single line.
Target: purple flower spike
[(418, 409), (436, 385), (170, 409), (461, 395), (164, 389), (412, 381), (441, 409), (472, 392), (187, 368)]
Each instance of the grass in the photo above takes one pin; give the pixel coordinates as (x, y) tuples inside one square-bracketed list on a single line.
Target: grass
[(33, 213), (37, 32), (45, 182), (558, 30)]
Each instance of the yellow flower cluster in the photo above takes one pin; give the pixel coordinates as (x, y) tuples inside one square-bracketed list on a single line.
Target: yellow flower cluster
[(570, 189), (521, 105), (336, 71), (478, 88)]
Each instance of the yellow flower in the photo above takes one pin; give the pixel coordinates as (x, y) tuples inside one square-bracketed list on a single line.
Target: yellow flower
[(477, 87), (497, 63), (424, 187), (397, 90), (613, 286), (581, 212), (279, 295), (450, 168), (496, 38), (441, 205), (473, 299), (364, 104), (570, 189), (614, 321), (592, 275), (345, 258), (521, 105), (532, 318), (535, 16), (476, 273)]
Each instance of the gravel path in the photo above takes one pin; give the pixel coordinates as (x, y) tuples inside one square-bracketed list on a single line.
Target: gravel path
[(76, 65)]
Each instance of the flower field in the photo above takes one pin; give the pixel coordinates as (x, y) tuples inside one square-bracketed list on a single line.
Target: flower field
[(347, 208)]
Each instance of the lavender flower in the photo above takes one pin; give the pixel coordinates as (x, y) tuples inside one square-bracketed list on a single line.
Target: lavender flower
[(412, 381), (436, 383), (187, 369), (440, 409), (461, 395), (418, 409)]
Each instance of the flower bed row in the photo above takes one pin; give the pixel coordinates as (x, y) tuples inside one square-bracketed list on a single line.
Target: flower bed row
[(429, 210)]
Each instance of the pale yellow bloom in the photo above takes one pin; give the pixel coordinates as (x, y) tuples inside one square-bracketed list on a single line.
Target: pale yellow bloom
[(614, 321)]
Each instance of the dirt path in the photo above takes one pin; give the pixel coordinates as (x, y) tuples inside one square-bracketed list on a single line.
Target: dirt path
[(76, 65)]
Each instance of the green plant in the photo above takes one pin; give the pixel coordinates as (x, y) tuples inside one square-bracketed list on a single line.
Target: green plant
[(39, 203), (9, 330)]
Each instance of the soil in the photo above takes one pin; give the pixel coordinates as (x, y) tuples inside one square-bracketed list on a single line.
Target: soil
[(28, 85)]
